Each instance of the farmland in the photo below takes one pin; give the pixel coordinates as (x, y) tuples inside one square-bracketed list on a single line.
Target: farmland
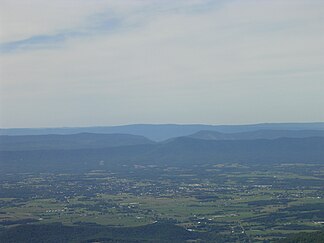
[(241, 202)]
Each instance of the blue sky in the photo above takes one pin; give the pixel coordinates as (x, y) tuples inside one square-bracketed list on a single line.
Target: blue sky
[(108, 62)]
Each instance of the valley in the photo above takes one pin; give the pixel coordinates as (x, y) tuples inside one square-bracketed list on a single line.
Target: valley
[(235, 202)]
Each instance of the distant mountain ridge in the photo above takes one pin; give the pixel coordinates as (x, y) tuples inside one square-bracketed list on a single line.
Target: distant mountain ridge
[(161, 132), (94, 140), (85, 151), (259, 134), (183, 151), (69, 141)]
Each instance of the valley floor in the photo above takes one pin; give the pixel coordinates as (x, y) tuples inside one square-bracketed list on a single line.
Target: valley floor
[(225, 202)]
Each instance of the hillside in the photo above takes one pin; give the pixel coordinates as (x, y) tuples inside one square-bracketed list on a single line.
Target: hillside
[(182, 151), (72, 141), (161, 132), (259, 134)]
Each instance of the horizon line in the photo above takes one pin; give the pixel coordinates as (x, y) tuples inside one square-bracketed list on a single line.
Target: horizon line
[(164, 124)]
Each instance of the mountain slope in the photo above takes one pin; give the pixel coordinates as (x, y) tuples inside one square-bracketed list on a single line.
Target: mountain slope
[(259, 134), (161, 132), (72, 141), (179, 152)]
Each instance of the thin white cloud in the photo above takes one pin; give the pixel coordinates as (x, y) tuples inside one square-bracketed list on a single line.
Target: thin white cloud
[(25, 19), (28, 19)]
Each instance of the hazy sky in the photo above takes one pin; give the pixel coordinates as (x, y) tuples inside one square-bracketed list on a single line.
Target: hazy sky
[(109, 62)]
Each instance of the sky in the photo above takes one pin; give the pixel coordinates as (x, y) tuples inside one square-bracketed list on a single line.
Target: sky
[(112, 62)]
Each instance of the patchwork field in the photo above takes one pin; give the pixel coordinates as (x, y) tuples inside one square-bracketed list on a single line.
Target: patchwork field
[(244, 203)]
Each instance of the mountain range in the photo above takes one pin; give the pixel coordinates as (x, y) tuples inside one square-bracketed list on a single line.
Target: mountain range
[(69, 141), (259, 134), (98, 151), (162, 132)]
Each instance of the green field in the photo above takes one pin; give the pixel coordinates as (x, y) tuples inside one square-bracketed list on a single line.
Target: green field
[(256, 203)]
